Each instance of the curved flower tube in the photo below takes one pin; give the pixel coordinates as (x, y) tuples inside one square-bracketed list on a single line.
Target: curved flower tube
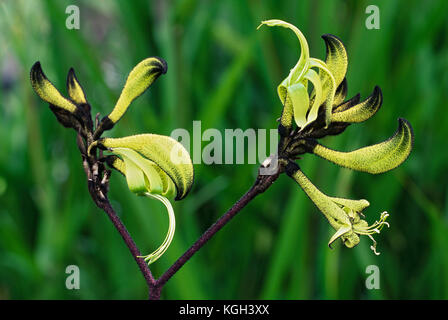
[(374, 159), (344, 215)]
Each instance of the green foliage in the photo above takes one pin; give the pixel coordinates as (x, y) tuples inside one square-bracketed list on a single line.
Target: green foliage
[(223, 72)]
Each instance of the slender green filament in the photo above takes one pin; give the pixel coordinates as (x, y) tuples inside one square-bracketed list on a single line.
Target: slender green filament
[(150, 258)]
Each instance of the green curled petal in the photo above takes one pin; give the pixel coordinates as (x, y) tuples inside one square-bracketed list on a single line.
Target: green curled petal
[(313, 77), (350, 239), (152, 257), (336, 59), (134, 177), (139, 79), (142, 179), (329, 87), (169, 188), (298, 95), (75, 91), (164, 151), (339, 233), (362, 111), (153, 182), (301, 67), (47, 91), (377, 158), (158, 182)]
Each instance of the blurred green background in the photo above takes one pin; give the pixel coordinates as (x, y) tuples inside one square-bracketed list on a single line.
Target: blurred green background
[(224, 72)]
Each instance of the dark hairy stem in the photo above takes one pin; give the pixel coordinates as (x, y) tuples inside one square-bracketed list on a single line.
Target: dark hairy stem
[(261, 184), (103, 203), (98, 184), (155, 286)]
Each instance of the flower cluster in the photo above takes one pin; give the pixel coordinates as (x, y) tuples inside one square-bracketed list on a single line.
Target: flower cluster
[(155, 166), (314, 102)]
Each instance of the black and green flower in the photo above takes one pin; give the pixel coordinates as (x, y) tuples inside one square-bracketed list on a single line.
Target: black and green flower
[(154, 165), (314, 102)]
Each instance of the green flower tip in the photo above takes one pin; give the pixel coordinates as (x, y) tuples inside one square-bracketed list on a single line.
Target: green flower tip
[(314, 98), (344, 215), (155, 166), (293, 91), (349, 233)]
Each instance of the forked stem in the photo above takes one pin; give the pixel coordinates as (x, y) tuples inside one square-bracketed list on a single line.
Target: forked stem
[(98, 194), (261, 184)]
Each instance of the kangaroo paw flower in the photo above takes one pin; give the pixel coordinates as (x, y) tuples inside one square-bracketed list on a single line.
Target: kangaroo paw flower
[(155, 166), (293, 90), (139, 79), (344, 215), (149, 167)]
